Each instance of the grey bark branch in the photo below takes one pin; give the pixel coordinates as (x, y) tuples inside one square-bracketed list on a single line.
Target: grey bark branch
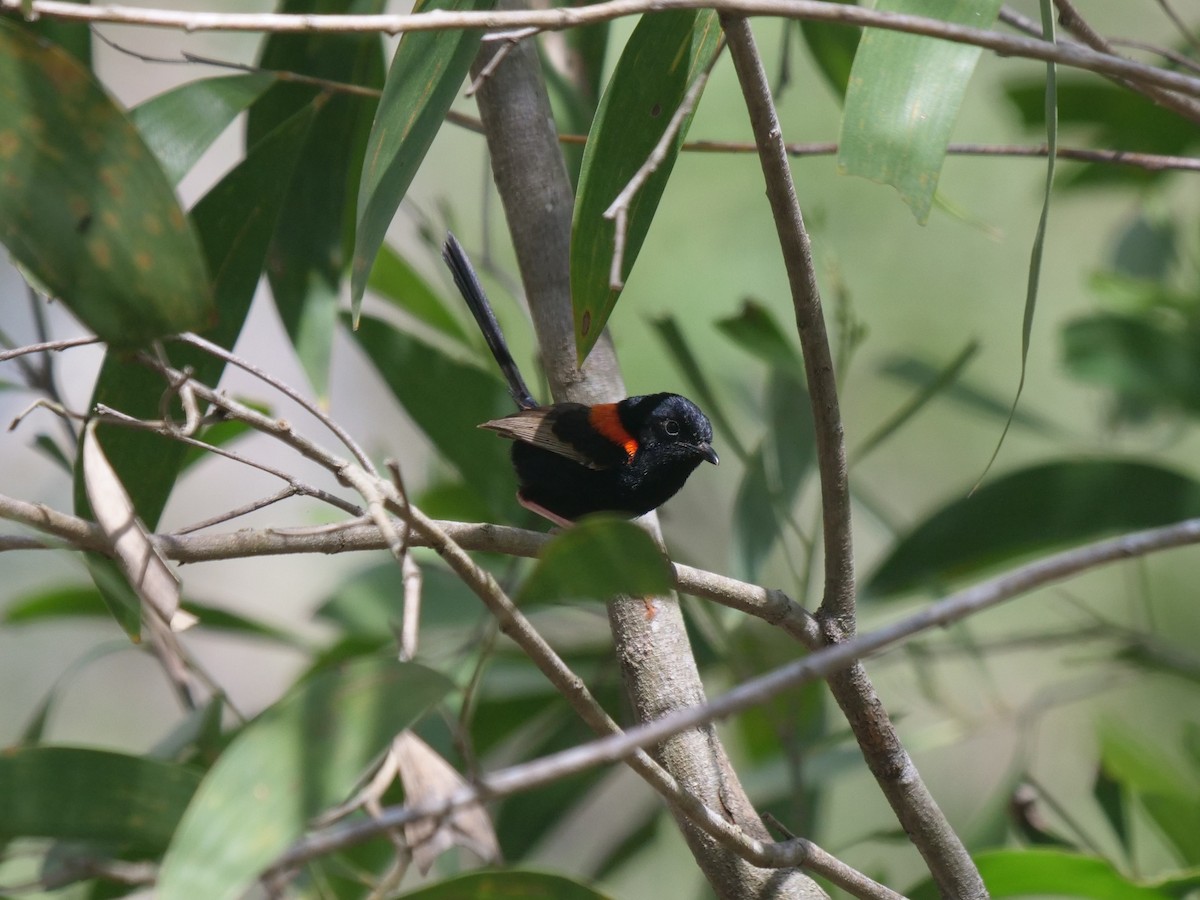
[(917, 811), (658, 668)]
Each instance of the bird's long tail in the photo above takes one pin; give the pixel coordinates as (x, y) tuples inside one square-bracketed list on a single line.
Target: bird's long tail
[(472, 291)]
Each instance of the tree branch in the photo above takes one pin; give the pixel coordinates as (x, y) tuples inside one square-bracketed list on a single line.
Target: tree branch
[(559, 18), (657, 665), (926, 825)]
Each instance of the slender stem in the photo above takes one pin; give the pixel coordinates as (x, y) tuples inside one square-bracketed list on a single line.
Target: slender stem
[(915, 808), (558, 18)]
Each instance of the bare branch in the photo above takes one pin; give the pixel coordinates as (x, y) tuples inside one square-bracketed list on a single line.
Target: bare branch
[(1075, 23), (558, 18), (917, 811)]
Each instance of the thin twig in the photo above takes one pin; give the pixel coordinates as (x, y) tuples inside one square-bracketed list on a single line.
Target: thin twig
[(1188, 34), (1071, 20), (381, 495), (47, 346), (821, 664), (287, 390), (559, 18), (898, 779)]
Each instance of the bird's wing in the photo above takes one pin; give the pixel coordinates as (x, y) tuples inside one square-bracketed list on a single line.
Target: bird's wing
[(537, 427)]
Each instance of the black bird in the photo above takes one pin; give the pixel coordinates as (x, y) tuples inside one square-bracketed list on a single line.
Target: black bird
[(628, 457)]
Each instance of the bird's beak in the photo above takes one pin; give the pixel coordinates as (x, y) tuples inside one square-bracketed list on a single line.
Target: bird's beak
[(709, 453)]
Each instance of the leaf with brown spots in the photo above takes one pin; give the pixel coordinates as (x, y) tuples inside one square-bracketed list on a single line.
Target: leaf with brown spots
[(85, 208)]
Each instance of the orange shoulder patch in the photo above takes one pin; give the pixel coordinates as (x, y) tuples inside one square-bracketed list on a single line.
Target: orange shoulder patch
[(603, 417)]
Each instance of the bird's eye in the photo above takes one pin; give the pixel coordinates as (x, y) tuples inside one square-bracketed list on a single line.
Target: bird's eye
[(671, 427)]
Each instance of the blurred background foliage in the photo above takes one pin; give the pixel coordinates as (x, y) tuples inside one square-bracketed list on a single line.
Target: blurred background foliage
[(1060, 732)]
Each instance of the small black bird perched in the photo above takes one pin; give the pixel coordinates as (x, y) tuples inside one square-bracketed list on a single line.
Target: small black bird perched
[(628, 457)]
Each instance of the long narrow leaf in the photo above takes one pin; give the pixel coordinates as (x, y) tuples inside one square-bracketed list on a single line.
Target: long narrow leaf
[(903, 99), (665, 54), (1035, 510), (314, 238), (180, 124), (1039, 240), (426, 73)]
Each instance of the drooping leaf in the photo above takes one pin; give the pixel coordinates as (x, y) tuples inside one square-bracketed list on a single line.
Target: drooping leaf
[(506, 885), (426, 73), (81, 794), (598, 558), (180, 124), (366, 605), (70, 601), (314, 237), (1110, 116), (665, 54), (448, 400), (85, 207), (903, 99), (1110, 798), (300, 757), (1038, 509)]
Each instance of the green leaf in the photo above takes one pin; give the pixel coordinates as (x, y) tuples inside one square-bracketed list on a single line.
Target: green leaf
[(511, 884), (774, 473), (78, 601), (85, 207), (421, 377), (1022, 873), (298, 758), (1146, 361), (833, 47), (393, 278), (315, 233), (74, 37), (1170, 793), (426, 73), (78, 794), (1034, 510), (903, 99), (180, 124), (755, 330), (665, 54), (59, 602), (598, 558)]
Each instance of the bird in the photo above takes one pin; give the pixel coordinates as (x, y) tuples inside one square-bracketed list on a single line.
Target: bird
[(571, 459)]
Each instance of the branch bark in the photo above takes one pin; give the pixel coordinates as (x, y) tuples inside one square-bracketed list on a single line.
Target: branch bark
[(657, 663), (917, 811), (559, 18)]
